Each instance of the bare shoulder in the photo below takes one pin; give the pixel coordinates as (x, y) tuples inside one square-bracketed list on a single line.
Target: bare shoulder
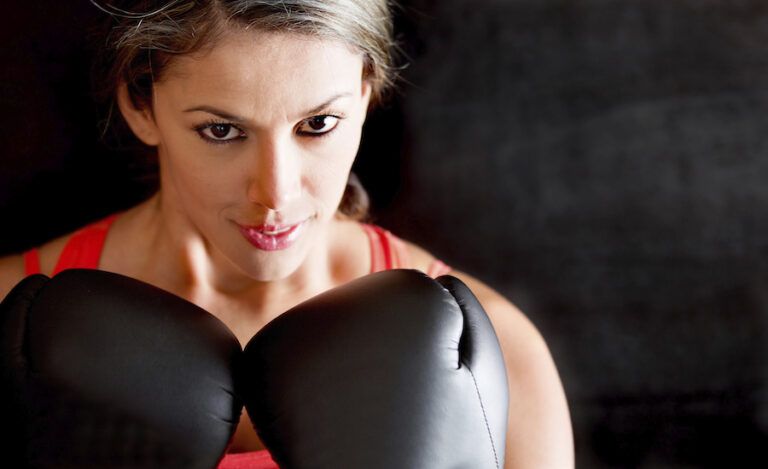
[(539, 428), (499, 309), (13, 269), (419, 258), (11, 272), (513, 327), (508, 320)]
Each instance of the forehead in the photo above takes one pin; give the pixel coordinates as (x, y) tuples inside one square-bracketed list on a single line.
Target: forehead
[(268, 68)]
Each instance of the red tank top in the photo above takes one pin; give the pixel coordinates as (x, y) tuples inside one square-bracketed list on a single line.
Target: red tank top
[(83, 251)]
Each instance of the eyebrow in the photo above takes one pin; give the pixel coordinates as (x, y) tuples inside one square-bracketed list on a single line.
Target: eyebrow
[(234, 118)]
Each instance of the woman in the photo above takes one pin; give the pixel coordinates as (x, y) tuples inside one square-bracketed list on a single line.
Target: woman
[(256, 110)]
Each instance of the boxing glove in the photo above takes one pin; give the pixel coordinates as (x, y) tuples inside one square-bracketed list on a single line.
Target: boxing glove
[(100, 370), (393, 370)]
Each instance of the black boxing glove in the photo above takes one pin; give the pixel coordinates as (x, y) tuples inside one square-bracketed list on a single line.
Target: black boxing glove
[(393, 370), (100, 370)]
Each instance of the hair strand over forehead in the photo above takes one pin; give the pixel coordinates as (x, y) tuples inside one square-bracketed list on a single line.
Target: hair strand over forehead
[(180, 27)]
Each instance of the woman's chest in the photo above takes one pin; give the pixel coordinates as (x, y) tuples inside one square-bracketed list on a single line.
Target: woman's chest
[(245, 438)]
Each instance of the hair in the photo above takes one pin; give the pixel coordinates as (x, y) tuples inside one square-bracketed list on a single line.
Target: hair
[(142, 37)]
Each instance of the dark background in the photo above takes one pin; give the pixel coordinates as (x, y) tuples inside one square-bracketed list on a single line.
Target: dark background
[(600, 162)]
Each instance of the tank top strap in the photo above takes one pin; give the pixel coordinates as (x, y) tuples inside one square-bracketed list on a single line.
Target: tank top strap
[(438, 268), (387, 250), (83, 249), (32, 262)]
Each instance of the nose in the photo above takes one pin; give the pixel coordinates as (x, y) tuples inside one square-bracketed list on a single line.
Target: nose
[(275, 180)]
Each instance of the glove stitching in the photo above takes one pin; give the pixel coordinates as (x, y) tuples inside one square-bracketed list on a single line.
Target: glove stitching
[(451, 290), (485, 417)]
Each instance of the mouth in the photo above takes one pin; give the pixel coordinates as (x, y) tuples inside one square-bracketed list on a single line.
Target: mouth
[(272, 230), (272, 237)]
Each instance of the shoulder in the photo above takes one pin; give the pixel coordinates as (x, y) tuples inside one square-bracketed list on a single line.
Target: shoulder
[(418, 257), (520, 339), (513, 326), (11, 272), (523, 345), (13, 268), (501, 311)]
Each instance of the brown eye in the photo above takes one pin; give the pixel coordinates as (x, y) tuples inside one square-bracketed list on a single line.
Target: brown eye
[(220, 133), (220, 130), (318, 125)]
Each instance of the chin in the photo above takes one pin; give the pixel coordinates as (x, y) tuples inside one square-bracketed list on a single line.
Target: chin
[(275, 265)]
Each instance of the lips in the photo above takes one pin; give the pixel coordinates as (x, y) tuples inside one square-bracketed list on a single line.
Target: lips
[(272, 237), (272, 229)]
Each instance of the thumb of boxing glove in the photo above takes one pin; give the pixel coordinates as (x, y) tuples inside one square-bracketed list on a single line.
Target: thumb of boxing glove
[(391, 370), (101, 370)]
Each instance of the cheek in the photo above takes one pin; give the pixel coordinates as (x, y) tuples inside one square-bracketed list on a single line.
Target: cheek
[(195, 177), (331, 166), (206, 187)]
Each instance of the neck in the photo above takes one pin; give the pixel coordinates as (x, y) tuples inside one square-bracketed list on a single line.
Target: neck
[(184, 262)]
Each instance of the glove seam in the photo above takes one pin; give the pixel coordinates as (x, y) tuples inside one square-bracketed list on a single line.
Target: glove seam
[(462, 307), (485, 417)]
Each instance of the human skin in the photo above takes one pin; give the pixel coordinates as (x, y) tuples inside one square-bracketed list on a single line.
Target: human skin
[(283, 163), (267, 165)]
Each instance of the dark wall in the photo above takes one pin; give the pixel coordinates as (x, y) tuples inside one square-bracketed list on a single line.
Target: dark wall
[(600, 162), (57, 172), (603, 163)]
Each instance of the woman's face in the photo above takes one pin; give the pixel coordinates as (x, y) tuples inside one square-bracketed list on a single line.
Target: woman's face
[(256, 138)]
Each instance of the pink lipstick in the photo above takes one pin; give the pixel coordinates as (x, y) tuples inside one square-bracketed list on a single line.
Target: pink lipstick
[(272, 237)]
